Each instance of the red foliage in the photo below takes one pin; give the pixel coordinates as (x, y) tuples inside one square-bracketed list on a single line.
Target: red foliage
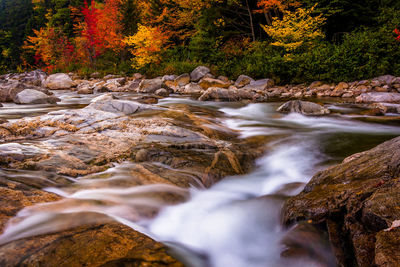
[(90, 32), (397, 32)]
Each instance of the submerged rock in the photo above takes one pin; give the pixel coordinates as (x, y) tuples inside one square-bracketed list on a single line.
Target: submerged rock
[(303, 107), (356, 201)]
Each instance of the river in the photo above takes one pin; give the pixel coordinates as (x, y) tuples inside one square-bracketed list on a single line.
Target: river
[(235, 222)]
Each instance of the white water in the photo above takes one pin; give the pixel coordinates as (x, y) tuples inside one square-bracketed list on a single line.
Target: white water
[(234, 223)]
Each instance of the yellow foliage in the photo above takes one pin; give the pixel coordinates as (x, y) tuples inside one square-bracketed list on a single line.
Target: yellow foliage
[(146, 45), (297, 28)]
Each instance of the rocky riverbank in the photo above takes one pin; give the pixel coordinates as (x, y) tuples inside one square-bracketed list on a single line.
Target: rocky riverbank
[(358, 204), (33, 87)]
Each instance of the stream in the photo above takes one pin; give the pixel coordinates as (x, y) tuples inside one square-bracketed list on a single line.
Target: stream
[(235, 222)]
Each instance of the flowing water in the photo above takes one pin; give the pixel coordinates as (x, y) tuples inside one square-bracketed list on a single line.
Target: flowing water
[(235, 222)]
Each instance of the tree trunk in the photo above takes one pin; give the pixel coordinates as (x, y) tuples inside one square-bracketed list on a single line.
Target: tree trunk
[(251, 21)]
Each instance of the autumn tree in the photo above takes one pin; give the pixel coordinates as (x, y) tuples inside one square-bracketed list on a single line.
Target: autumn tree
[(297, 28)]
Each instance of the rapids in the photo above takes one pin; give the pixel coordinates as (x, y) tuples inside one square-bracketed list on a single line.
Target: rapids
[(235, 222)]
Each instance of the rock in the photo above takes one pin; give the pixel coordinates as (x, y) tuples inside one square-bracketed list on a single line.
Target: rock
[(356, 201), (193, 89), (9, 90), (137, 76), (198, 73), (342, 86), (348, 95), (219, 94), (95, 75), (263, 84), (303, 107), (110, 76), (84, 88), (162, 92), (29, 96), (316, 84), (182, 80), (223, 78), (36, 77), (242, 81), (117, 106), (378, 98), (150, 85), (386, 79), (115, 84), (58, 81), (206, 83), (169, 78)]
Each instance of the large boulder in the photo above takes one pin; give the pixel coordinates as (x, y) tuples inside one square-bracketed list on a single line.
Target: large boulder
[(59, 81), (36, 77), (356, 201), (378, 98), (198, 73), (29, 96), (150, 85), (303, 107), (221, 94)]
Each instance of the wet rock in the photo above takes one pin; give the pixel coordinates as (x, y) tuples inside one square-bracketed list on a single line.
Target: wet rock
[(58, 81), (150, 86), (303, 107), (206, 83), (379, 98), (162, 92), (242, 81), (198, 73), (357, 200), (169, 78), (29, 96), (220, 94), (386, 248)]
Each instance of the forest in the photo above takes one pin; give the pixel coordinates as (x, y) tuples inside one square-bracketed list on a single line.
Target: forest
[(291, 41)]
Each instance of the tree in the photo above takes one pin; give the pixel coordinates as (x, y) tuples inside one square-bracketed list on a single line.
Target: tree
[(146, 45), (296, 29)]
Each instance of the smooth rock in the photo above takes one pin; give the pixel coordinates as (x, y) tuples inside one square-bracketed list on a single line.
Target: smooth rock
[(243, 80), (29, 96), (193, 89), (303, 107), (58, 81), (162, 92)]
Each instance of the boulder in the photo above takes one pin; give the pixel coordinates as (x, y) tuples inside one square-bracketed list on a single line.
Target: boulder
[(8, 90), (193, 89), (198, 73), (222, 94), (29, 96), (84, 88), (162, 92), (303, 107), (58, 81), (357, 202), (386, 79), (36, 77), (206, 83), (342, 86), (242, 81), (376, 97), (150, 85), (182, 80)]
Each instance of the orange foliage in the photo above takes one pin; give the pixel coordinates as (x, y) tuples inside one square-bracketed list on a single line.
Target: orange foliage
[(267, 5)]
